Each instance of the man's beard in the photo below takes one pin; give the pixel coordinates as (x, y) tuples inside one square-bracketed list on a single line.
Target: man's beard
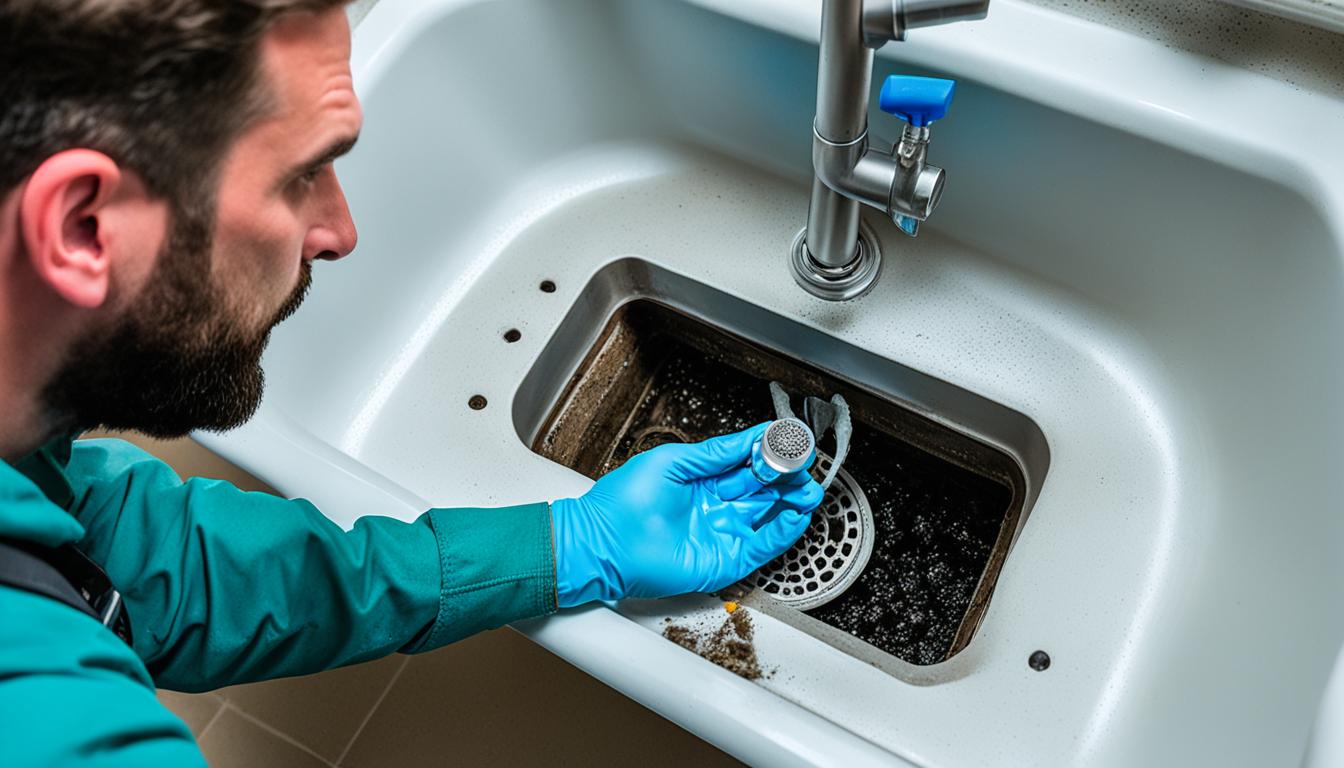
[(176, 360)]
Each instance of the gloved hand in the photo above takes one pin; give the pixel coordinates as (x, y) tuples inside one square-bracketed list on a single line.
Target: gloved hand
[(679, 518)]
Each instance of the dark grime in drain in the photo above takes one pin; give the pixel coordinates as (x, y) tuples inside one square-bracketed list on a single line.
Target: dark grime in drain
[(941, 501)]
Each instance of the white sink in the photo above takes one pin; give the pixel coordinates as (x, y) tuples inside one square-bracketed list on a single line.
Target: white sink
[(1127, 254)]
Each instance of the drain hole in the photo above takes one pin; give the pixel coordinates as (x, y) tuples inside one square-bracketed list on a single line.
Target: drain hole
[(476, 403), (653, 437), (547, 286), (1039, 661), (512, 335)]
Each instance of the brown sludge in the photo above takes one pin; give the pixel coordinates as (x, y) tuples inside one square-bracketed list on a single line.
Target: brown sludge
[(681, 636), (730, 645)]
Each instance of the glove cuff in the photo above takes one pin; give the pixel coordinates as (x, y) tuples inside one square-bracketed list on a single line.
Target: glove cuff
[(583, 568)]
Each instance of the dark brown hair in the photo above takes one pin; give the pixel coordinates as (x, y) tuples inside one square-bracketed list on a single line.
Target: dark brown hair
[(160, 86)]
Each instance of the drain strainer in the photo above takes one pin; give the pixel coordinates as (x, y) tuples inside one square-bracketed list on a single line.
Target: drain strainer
[(830, 555)]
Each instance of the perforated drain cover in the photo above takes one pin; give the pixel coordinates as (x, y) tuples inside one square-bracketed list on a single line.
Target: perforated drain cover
[(831, 554)]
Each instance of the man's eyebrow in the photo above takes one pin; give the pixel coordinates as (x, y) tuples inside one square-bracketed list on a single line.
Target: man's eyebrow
[(327, 155)]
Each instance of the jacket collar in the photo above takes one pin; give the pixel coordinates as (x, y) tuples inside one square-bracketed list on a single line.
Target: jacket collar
[(35, 496)]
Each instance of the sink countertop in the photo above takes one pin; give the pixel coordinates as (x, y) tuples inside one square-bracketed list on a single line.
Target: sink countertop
[(1138, 86)]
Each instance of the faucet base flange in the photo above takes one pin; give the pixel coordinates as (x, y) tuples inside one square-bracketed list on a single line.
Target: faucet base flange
[(837, 283)]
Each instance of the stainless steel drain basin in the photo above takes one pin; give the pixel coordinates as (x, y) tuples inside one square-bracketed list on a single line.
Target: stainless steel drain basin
[(831, 554), (637, 373)]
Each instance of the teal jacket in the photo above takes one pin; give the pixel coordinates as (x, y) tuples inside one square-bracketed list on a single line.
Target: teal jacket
[(225, 586)]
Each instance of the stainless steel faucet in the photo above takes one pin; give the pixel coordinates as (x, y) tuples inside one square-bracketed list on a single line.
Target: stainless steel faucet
[(836, 257)]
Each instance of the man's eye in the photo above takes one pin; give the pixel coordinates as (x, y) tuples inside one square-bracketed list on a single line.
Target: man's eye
[(310, 176)]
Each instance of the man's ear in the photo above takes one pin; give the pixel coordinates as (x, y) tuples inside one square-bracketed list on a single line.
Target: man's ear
[(61, 218)]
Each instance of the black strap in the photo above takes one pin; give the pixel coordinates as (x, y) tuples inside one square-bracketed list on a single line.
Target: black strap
[(67, 576)]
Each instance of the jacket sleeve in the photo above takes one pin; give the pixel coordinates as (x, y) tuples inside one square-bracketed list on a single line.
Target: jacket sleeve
[(225, 586)]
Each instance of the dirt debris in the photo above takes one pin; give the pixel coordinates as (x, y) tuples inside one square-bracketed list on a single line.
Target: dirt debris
[(682, 636), (730, 645)]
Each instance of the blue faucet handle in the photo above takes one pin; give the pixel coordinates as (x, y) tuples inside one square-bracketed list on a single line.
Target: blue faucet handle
[(916, 100)]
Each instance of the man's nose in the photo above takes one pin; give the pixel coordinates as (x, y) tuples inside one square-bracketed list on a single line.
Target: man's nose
[(333, 236)]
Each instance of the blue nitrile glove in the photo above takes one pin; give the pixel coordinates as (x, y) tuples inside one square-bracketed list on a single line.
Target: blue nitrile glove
[(679, 518)]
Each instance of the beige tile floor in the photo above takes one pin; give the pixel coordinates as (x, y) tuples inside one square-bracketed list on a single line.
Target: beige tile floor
[(493, 699)]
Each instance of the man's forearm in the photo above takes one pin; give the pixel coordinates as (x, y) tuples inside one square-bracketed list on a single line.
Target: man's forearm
[(225, 586)]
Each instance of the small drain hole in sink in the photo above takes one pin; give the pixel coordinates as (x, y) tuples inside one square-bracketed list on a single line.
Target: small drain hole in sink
[(943, 506)]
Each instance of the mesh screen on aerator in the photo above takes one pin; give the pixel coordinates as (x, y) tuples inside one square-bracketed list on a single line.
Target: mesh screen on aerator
[(788, 443)]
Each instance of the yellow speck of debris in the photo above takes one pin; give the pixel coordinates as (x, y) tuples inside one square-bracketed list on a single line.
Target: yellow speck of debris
[(730, 606)]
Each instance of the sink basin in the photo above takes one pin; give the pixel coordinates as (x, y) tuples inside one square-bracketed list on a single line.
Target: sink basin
[(1145, 290), (944, 498)]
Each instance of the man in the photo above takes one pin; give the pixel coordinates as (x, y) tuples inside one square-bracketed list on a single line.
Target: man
[(166, 183)]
